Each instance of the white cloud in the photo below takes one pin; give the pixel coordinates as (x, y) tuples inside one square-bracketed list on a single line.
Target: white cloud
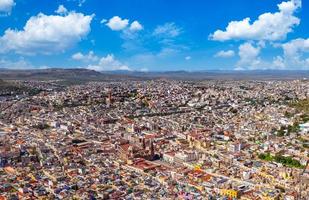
[(135, 26), (46, 34), (61, 10), (168, 30), (103, 21), (6, 6), (250, 60), (188, 58), (295, 47), (248, 56), (268, 26), (19, 64), (78, 56), (278, 63), (294, 53), (225, 54), (109, 63), (289, 7), (117, 24), (90, 57)]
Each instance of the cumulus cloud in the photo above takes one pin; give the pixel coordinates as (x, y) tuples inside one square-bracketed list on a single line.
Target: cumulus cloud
[(109, 63), (46, 34), (117, 24), (250, 59), (278, 63), (268, 26), (225, 54), (266, 29), (6, 6), (135, 26), (61, 10), (90, 57), (295, 47), (18, 64), (168, 30), (294, 51), (249, 56)]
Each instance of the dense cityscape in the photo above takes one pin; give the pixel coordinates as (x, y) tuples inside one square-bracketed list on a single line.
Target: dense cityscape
[(154, 100), (155, 139)]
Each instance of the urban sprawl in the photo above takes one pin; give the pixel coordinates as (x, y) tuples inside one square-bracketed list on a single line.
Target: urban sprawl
[(158, 139)]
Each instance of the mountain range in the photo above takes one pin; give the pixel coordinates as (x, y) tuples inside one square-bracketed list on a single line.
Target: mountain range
[(79, 74)]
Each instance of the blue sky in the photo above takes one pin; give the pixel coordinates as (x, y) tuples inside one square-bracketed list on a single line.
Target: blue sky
[(155, 35)]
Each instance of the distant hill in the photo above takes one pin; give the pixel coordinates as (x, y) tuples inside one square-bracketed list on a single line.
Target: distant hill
[(61, 74), (82, 75), (221, 75)]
